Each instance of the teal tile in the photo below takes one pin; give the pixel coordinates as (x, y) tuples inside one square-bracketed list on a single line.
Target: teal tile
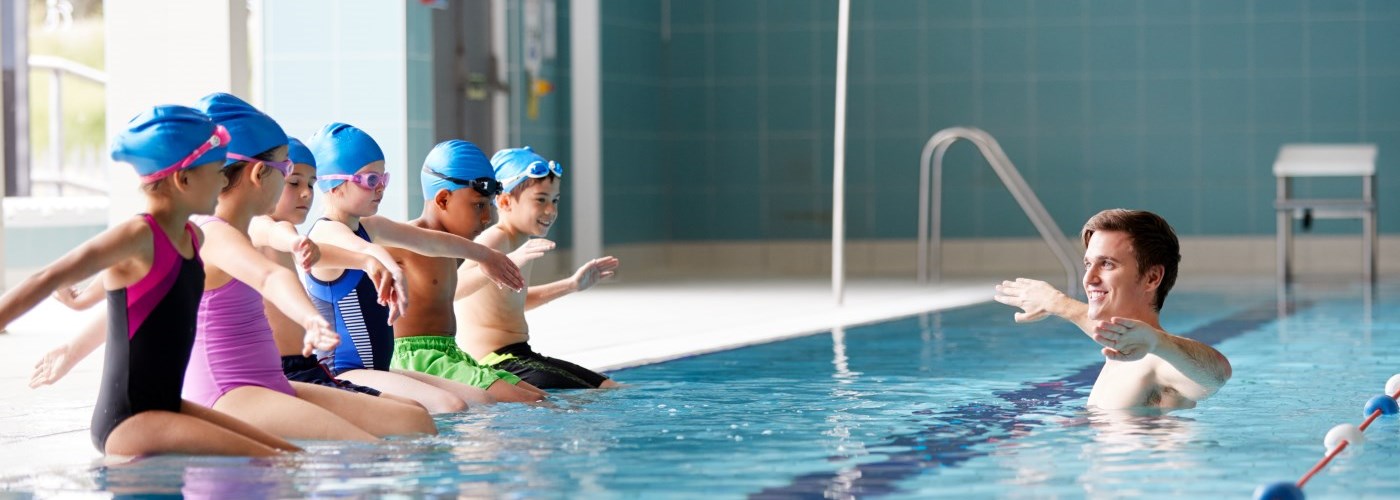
[(1113, 159), (688, 56), (630, 51), (1114, 10), (1175, 203), (686, 111), (1225, 104), (958, 211), (952, 11), (1001, 217), (686, 164), (1335, 8), (807, 216), (734, 54), (1004, 107), (896, 52), (1067, 203), (792, 160), (1168, 10), (1225, 212), (1280, 103), (1278, 9), (1278, 46), (1224, 47), (1004, 51), (1334, 101), (948, 53), (1224, 10), (1382, 36), (1060, 107), (736, 162), (1334, 45), (951, 104), (1059, 49), (1113, 104), (895, 215), (1168, 158), (1381, 9), (735, 13), (1113, 49), (789, 11), (1060, 157), (737, 216), (791, 107), (1058, 10), (894, 109), (1225, 157), (634, 218), (791, 54), (1167, 48), (692, 215), (736, 109), (694, 12), (1383, 102), (894, 10), (630, 106)]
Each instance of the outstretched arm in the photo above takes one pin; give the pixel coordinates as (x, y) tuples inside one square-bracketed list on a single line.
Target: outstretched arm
[(1190, 367), (1038, 300), (282, 236), (470, 276), (231, 251), (440, 244), (587, 275), (342, 249), (81, 300), (102, 251), (57, 362)]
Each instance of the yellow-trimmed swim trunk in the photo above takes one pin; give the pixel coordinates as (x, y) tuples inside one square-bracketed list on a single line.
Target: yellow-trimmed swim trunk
[(439, 356)]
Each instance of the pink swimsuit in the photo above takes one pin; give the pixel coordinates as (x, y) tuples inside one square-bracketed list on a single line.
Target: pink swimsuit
[(233, 344)]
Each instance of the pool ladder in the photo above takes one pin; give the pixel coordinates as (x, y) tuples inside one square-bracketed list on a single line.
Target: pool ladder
[(931, 201)]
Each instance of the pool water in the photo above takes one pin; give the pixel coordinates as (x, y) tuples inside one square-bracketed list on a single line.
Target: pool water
[(960, 403)]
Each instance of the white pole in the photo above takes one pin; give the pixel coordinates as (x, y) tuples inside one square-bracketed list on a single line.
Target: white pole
[(585, 23), (838, 177)]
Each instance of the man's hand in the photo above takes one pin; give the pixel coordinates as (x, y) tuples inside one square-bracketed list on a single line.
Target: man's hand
[(531, 250), (1126, 339), (53, 366), (306, 253), (1035, 298), (319, 335), (594, 271)]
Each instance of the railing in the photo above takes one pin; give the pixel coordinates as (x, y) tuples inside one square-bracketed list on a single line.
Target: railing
[(930, 204), (60, 67)]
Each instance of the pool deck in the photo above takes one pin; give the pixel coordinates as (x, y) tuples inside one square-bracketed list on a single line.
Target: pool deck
[(629, 322)]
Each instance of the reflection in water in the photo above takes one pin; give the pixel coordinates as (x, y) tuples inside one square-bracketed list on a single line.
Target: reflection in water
[(1130, 442)]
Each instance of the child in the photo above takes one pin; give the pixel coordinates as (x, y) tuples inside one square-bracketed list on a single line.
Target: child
[(154, 279), (351, 170), (491, 323), (424, 338)]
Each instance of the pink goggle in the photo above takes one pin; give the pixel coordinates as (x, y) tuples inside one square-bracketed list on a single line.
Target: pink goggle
[(372, 180), (284, 166), (219, 138)]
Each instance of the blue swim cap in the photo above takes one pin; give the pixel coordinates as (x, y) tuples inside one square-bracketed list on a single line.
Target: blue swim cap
[(164, 139), (298, 153), (455, 158), (515, 165), (254, 132), (342, 149)]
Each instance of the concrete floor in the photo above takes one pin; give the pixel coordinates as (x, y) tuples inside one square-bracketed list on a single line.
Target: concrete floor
[(626, 323)]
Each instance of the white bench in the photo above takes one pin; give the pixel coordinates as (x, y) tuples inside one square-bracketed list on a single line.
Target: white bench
[(1326, 160)]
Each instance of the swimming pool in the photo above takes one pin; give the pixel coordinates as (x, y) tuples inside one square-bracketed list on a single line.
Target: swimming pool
[(962, 402)]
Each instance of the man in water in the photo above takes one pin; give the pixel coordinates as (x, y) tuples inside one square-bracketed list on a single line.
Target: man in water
[(1130, 263)]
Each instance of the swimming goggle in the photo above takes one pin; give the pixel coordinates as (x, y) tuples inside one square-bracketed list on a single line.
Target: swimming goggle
[(218, 138), (372, 180), (284, 166), (485, 185), (537, 170)]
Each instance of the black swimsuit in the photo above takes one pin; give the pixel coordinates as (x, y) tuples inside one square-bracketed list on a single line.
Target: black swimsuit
[(150, 331)]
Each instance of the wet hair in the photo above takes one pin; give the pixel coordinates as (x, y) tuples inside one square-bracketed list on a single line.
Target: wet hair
[(516, 191), (1153, 241)]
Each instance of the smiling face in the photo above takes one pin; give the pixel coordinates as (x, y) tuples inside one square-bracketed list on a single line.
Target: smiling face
[(297, 193), (355, 200), (534, 210), (1114, 284)]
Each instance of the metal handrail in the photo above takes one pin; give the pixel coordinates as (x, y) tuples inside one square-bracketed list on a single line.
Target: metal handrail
[(58, 67), (930, 204)]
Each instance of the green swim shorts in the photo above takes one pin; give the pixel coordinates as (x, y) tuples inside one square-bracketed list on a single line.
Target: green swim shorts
[(439, 356)]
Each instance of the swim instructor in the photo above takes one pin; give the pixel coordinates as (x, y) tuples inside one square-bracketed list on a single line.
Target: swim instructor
[(1130, 263)]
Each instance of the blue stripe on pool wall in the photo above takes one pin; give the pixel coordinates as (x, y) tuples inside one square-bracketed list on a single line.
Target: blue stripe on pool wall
[(981, 423)]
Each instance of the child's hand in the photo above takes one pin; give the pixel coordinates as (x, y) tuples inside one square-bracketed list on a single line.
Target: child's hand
[(53, 366), (502, 271), (306, 252), (68, 296), (319, 335), (594, 271), (531, 250), (391, 287)]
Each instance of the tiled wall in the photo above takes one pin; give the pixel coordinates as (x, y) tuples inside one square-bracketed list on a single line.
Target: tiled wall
[(548, 134), (718, 113)]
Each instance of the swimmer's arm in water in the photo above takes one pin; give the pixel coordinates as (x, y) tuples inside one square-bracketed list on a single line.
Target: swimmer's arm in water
[(440, 244), (282, 236), (1190, 367), (471, 278), (231, 251), (81, 300), (110, 248), (1038, 300), (58, 361), (587, 275)]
